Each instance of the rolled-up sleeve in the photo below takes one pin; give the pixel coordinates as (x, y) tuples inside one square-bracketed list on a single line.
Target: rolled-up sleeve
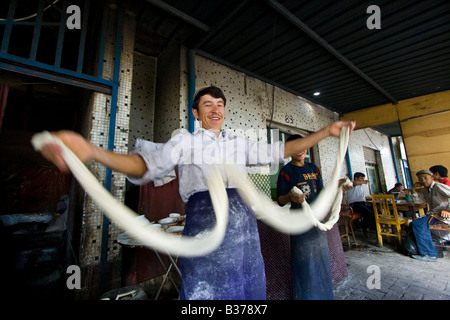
[(159, 158)]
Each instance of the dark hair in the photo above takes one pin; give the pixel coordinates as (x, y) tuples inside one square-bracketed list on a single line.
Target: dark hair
[(440, 169), (358, 175), (212, 91), (293, 137), (398, 185)]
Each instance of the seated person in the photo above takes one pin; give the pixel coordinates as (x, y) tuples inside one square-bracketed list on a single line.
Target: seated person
[(357, 200), (437, 195), (396, 190), (440, 174)]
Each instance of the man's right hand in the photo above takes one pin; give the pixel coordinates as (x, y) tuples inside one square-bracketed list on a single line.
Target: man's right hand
[(83, 149)]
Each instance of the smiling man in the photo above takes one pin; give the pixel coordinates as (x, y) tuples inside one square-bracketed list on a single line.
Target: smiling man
[(235, 271), (211, 112)]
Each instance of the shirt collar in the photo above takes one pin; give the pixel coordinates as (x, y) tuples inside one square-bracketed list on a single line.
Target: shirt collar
[(431, 186), (223, 133)]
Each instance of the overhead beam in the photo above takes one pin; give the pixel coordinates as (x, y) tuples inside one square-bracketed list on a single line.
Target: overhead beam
[(323, 43), (407, 109), (179, 14), (219, 25), (433, 103), (372, 117)]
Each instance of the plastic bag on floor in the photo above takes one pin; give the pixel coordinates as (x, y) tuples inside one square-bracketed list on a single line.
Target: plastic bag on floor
[(410, 245)]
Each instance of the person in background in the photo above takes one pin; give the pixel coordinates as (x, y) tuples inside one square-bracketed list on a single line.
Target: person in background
[(355, 197), (437, 195), (396, 190), (311, 269), (440, 174)]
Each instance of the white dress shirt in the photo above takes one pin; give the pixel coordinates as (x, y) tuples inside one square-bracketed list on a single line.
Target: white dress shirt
[(355, 194), (192, 153)]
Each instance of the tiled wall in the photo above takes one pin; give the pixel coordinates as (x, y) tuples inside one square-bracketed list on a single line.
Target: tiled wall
[(142, 99), (262, 183), (100, 115), (250, 102), (168, 94)]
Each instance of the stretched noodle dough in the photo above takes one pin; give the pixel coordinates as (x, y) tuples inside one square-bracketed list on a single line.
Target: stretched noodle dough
[(124, 217), (299, 220)]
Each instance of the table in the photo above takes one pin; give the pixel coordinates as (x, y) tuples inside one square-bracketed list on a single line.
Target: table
[(403, 205), (125, 240)]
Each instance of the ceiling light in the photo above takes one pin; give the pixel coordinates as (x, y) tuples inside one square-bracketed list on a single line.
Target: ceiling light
[(316, 93)]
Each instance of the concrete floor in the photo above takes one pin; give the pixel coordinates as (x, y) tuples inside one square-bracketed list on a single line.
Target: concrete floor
[(384, 273)]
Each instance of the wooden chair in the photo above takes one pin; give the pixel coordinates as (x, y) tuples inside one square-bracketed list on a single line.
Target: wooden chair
[(346, 217), (387, 220)]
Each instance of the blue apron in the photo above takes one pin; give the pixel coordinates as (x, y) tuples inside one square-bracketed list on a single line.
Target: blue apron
[(235, 271), (311, 266)]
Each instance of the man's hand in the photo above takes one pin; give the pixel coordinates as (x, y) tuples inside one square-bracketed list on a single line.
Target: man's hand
[(417, 187), (358, 182), (75, 142), (296, 146), (445, 214), (335, 127), (130, 164), (345, 186)]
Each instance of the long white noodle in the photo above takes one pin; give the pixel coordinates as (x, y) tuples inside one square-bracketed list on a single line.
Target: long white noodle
[(299, 220), (124, 217)]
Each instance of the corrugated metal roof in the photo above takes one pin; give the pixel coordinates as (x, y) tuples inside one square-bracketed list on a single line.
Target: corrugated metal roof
[(352, 66)]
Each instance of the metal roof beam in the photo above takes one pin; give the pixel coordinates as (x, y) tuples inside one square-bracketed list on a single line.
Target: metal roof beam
[(219, 26), (322, 42), (179, 14)]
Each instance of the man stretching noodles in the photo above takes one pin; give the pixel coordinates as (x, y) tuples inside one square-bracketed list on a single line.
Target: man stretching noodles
[(235, 270)]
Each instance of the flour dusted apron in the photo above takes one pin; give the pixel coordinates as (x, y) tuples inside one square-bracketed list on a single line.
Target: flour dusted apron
[(235, 271)]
